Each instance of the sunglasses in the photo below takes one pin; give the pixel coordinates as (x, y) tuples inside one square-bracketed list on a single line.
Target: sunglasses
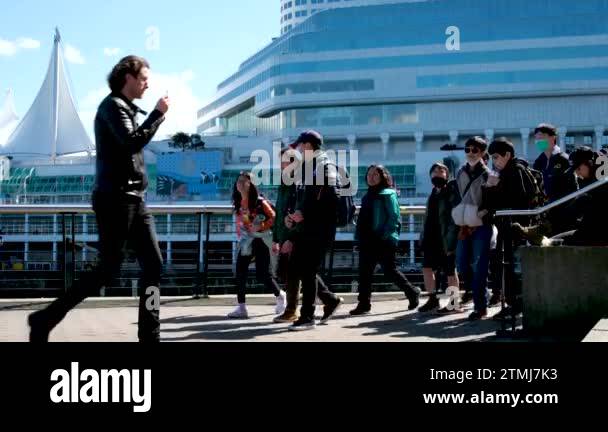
[(473, 150)]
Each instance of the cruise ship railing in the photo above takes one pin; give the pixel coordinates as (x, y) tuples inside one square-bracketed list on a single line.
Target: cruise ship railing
[(204, 215)]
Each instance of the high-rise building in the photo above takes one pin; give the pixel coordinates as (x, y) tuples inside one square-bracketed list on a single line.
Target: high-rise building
[(293, 12), (398, 82)]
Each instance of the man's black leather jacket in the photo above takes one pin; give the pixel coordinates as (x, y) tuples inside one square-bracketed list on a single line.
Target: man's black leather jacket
[(120, 145)]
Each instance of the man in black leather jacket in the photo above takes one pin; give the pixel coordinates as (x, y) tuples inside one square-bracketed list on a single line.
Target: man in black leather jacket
[(118, 202)]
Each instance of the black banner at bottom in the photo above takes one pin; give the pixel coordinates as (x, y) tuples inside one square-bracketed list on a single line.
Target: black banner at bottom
[(187, 380)]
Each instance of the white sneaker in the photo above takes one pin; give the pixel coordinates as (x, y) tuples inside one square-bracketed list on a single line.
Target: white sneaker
[(239, 313), (281, 303)]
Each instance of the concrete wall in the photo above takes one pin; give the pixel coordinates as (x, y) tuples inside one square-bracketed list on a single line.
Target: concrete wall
[(564, 288)]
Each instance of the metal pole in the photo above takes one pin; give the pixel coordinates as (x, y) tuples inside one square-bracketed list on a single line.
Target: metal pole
[(73, 257), (206, 256), (197, 279), (65, 253)]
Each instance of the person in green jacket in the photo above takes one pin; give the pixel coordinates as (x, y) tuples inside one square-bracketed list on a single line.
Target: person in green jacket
[(283, 237), (439, 237), (378, 232)]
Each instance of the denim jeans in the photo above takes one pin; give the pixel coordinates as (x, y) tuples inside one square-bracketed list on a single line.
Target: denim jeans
[(474, 254)]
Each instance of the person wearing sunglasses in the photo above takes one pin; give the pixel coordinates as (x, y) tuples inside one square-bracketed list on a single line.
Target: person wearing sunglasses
[(475, 236)]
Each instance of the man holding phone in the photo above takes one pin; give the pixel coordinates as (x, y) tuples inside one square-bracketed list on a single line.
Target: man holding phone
[(118, 202)]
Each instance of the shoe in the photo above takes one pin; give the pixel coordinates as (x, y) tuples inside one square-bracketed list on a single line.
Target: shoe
[(39, 329), (329, 311), (281, 303), (508, 313), (494, 300), (239, 313), (286, 317), (413, 297), (303, 324), (446, 311), (432, 305), (361, 310), (478, 315)]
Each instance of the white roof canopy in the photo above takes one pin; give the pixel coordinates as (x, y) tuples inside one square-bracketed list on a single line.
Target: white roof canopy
[(51, 127)]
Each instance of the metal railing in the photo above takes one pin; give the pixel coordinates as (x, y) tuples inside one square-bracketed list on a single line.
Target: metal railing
[(509, 214), (554, 204), (204, 214)]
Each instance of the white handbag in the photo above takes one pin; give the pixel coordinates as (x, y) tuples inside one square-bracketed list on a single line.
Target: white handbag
[(466, 215)]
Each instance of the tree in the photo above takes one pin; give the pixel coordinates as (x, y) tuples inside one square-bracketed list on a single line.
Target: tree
[(181, 140), (197, 142)]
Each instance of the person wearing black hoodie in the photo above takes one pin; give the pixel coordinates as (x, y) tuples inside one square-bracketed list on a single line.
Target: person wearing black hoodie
[(593, 206), (512, 189), (314, 221)]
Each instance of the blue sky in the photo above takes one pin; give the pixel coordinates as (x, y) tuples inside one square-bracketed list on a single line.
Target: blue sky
[(201, 42)]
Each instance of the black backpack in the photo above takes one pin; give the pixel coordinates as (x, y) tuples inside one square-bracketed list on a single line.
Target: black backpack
[(345, 206), (536, 196)]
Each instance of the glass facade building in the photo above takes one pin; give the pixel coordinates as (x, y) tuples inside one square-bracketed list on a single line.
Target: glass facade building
[(400, 79)]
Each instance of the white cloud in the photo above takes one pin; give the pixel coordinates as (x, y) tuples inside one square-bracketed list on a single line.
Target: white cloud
[(27, 43), (7, 48), (111, 52), (73, 55), (182, 116), (10, 48)]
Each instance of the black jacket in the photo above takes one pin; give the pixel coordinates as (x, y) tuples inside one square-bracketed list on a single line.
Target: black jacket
[(591, 230), (120, 143), (318, 204), (558, 176)]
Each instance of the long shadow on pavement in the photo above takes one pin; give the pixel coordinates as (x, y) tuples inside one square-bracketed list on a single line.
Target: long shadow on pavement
[(415, 325)]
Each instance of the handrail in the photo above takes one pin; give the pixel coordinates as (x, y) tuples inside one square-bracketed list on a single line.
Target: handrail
[(158, 209), (554, 204)]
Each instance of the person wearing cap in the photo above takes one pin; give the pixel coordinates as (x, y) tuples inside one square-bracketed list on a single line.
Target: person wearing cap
[(315, 221), (512, 189), (593, 206), (475, 236)]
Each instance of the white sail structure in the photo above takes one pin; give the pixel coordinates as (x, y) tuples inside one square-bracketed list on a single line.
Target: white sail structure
[(8, 117), (8, 113), (51, 128)]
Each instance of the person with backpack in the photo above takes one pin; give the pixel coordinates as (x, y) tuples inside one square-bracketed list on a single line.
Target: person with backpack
[(439, 237), (475, 228), (315, 220), (378, 231), (514, 188), (254, 221)]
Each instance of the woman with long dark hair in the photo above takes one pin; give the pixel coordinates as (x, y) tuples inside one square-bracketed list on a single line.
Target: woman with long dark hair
[(254, 221), (378, 231)]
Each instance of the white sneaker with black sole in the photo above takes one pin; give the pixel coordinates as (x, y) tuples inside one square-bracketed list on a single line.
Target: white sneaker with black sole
[(239, 313), (302, 324)]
